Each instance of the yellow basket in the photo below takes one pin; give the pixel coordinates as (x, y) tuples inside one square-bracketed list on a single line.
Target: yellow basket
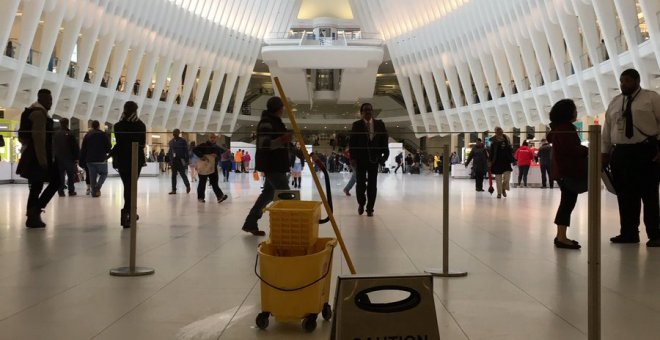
[(293, 287), (294, 224)]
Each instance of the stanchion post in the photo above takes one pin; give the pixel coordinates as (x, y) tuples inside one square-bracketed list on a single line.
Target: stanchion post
[(445, 221), (132, 269), (594, 285)]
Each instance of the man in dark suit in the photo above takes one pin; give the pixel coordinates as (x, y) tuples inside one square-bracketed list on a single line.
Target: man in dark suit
[(369, 148)]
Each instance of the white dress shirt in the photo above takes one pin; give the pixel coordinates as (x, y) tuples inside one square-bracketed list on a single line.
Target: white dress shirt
[(646, 119), (370, 128)]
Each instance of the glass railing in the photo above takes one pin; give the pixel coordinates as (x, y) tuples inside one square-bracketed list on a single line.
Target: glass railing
[(12, 47), (621, 43), (602, 52), (539, 79), (585, 61), (72, 71), (568, 68)]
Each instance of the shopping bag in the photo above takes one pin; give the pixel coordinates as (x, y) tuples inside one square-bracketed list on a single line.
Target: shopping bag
[(608, 179), (255, 176), (206, 165)]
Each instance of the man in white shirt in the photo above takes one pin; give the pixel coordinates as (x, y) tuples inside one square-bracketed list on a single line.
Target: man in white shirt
[(631, 129)]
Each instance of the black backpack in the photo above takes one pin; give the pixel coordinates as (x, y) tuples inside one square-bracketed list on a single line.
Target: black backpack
[(25, 128)]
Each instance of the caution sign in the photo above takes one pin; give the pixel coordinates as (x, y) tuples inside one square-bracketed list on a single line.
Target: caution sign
[(397, 307)]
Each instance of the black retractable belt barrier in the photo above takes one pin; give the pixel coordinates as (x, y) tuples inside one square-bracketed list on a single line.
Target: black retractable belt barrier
[(359, 316)]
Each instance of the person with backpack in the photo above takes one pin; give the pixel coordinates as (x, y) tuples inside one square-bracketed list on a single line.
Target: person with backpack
[(37, 164), (500, 158), (399, 161), (66, 152)]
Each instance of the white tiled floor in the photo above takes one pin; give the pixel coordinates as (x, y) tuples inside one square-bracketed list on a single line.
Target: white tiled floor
[(54, 283)]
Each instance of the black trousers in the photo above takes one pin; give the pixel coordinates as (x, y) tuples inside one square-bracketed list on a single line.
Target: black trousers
[(523, 170), (201, 186), (398, 166), (566, 206), (179, 169), (69, 169), (636, 178), (366, 175), (38, 199), (126, 181), (479, 179), (545, 170)]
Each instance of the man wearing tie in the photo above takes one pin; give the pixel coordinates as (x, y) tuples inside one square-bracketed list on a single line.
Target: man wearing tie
[(631, 129), (368, 147)]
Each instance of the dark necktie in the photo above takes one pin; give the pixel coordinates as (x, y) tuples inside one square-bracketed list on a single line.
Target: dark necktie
[(629, 118)]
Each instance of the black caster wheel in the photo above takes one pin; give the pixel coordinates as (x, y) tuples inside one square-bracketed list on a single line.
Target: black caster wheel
[(309, 323), (262, 320), (326, 312)]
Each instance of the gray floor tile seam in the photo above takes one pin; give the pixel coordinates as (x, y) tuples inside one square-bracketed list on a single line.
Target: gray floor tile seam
[(525, 292), (452, 315), (247, 296), (94, 276), (148, 298)]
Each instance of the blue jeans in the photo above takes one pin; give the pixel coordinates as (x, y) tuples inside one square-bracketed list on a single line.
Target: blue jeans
[(273, 181), (351, 182), (100, 170)]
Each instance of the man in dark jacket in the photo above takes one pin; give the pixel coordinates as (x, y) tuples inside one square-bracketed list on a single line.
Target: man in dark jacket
[(95, 149), (544, 156), (36, 163), (479, 158), (66, 150), (272, 158), (369, 149), (178, 155)]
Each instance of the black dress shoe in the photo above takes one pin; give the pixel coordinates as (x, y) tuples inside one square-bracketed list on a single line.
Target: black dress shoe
[(255, 232), (653, 242), (370, 213), (360, 210), (562, 245), (624, 239)]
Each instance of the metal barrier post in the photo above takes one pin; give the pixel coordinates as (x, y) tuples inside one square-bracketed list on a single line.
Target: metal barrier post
[(594, 286), (132, 270), (445, 221)]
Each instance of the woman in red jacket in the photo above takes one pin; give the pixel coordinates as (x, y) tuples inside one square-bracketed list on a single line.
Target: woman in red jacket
[(524, 156), (568, 162)]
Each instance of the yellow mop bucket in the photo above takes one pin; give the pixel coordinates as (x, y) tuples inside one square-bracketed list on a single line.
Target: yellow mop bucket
[(295, 287)]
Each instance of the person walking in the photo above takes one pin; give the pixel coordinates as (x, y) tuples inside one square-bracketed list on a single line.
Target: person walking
[(128, 130), (271, 158), (409, 163), (569, 164), (524, 156), (630, 133), (399, 162), (209, 152), (95, 149), (192, 165), (161, 160), (37, 163), (225, 163), (351, 181), (179, 159), (369, 149), (479, 157), (544, 156), (297, 163), (500, 157), (67, 152), (436, 163)]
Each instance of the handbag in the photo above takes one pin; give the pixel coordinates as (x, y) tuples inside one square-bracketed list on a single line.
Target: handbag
[(578, 185), (206, 165)]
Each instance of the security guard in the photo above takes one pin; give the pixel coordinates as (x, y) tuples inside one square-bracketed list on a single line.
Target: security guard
[(630, 133)]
